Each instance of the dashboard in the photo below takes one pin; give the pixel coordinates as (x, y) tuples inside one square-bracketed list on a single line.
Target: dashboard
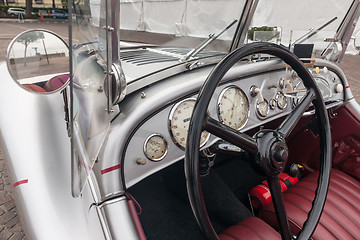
[(242, 103)]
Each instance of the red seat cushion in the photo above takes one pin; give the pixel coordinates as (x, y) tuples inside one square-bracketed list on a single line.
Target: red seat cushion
[(56, 82), (250, 228), (341, 215)]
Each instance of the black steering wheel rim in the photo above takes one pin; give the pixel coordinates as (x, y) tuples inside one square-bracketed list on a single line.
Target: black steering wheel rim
[(198, 123)]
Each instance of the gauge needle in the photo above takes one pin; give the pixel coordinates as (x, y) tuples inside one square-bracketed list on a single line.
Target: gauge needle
[(233, 107)]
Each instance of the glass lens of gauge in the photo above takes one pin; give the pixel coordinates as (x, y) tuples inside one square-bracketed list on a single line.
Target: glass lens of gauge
[(263, 108), (155, 147), (233, 107), (281, 100), (179, 123)]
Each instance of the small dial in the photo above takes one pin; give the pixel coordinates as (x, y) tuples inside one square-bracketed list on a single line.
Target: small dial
[(281, 100), (233, 107), (155, 147), (263, 108), (179, 120)]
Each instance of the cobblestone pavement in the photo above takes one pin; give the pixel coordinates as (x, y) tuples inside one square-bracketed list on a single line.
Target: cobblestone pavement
[(10, 225)]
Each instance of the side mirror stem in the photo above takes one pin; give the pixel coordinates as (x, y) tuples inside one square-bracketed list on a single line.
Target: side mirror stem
[(67, 112)]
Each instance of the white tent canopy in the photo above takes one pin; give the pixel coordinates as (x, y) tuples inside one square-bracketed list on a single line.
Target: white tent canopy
[(177, 16)]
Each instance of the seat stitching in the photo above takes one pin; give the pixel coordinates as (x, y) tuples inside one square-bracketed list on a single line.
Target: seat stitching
[(240, 226), (335, 179), (319, 223), (343, 186), (255, 233), (295, 223), (346, 178), (340, 196), (325, 212)]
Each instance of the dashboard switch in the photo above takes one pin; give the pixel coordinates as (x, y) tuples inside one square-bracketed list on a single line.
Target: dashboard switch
[(255, 91), (339, 88), (316, 70)]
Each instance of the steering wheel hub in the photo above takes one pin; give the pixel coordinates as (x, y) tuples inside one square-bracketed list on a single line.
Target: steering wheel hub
[(272, 152)]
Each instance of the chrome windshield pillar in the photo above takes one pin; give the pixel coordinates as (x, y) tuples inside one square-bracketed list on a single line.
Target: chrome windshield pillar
[(343, 34), (244, 23)]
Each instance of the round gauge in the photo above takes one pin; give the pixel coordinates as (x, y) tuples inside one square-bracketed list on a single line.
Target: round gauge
[(179, 120), (155, 147), (263, 108), (233, 107), (281, 100)]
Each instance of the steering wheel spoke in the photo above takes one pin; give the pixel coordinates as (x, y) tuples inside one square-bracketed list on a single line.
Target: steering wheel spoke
[(229, 134), (294, 117), (278, 202)]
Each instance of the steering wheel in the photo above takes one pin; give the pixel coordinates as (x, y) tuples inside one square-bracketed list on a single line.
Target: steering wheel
[(268, 147)]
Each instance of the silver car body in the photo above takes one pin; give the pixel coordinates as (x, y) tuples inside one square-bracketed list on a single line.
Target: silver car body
[(38, 150)]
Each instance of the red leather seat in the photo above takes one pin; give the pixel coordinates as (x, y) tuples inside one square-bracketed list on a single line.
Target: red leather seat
[(250, 228), (341, 215), (56, 82)]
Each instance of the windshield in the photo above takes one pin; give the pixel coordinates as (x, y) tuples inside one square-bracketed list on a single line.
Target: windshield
[(178, 23), (304, 22)]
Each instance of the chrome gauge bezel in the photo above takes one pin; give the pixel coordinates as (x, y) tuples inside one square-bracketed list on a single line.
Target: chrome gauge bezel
[(258, 110), (170, 121), (278, 94), (145, 150), (219, 102)]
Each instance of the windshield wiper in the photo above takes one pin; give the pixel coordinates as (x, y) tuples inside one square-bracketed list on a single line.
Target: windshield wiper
[(202, 45), (312, 32)]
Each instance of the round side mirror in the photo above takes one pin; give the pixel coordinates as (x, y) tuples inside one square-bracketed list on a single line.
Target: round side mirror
[(357, 41), (38, 61)]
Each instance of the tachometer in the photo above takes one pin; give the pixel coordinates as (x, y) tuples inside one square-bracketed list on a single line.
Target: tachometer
[(179, 120), (155, 147), (233, 107)]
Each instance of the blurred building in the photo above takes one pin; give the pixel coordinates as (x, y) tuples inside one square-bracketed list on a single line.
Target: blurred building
[(38, 3)]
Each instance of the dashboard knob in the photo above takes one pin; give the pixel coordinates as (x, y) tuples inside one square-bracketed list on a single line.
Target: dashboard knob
[(325, 70), (141, 161), (316, 70), (339, 88), (295, 169), (255, 91)]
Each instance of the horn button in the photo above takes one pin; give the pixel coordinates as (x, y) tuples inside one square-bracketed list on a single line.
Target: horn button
[(273, 152)]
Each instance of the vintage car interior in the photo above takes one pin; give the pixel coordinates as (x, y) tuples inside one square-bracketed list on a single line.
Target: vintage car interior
[(213, 141), (256, 94), (238, 127)]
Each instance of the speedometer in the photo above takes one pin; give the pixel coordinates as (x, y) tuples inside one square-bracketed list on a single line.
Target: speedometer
[(179, 120), (233, 107)]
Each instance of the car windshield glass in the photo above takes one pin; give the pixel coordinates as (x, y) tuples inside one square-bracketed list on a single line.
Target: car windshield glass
[(298, 23), (183, 23)]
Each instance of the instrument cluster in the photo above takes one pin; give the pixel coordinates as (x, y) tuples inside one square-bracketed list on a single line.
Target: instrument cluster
[(233, 106), (242, 104)]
